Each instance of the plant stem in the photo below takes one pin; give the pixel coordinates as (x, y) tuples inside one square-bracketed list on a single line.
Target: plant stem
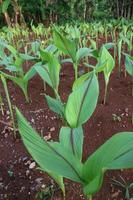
[(57, 96), (105, 94), (1, 105), (89, 197), (132, 118), (76, 70), (9, 103), (132, 85)]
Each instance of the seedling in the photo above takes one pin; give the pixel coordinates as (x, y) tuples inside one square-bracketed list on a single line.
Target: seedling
[(45, 192), (116, 117), (105, 56), (129, 67), (64, 158), (70, 47), (16, 67), (122, 184), (9, 103)]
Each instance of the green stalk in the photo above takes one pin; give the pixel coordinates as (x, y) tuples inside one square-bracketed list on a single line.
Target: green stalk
[(132, 118), (26, 97), (132, 85), (57, 96), (89, 197), (105, 94), (76, 70), (106, 36), (1, 105), (9, 103)]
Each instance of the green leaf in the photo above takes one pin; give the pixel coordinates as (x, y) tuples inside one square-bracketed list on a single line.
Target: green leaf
[(32, 71), (105, 56), (53, 68), (100, 67), (43, 72), (5, 5), (115, 153), (82, 102), (51, 48), (77, 83), (129, 64), (35, 46), (55, 105), (83, 52), (11, 49), (67, 46), (22, 83), (26, 56), (109, 45), (51, 156), (72, 140)]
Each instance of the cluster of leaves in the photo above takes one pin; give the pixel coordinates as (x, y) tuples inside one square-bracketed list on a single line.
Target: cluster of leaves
[(63, 159)]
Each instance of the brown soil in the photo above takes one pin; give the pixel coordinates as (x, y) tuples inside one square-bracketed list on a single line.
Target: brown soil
[(17, 181)]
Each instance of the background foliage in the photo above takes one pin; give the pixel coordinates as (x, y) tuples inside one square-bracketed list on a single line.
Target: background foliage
[(47, 11)]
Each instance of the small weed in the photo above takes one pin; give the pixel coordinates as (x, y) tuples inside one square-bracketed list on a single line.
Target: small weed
[(124, 186)]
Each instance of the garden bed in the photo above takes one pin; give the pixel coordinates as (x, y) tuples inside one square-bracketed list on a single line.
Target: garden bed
[(19, 178)]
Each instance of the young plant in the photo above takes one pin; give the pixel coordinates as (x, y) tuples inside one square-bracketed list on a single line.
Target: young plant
[(63, 159), (49, 70), (124, 186), (129, 67), (70, 47), (119, 44), (14, 64), (106, 57), (9, 103), (85, 90)]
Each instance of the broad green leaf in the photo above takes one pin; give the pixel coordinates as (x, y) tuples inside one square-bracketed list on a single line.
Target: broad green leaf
[(26, 56), (55, 105), (11, 49), (53, 67), (83, 52), (51, 48), (100, 67), (105, 56), (115, 153), (95, 53), (43, 72), (82, 102), (72, 140), (5, 5), (129, 64), (32, 71), (35, 46), (51, 156), (77, 83), (67, 46), (22, 83), (109, 45)]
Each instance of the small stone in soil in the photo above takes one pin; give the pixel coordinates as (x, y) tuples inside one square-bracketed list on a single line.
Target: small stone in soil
[(52, 129), (32, 165)]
